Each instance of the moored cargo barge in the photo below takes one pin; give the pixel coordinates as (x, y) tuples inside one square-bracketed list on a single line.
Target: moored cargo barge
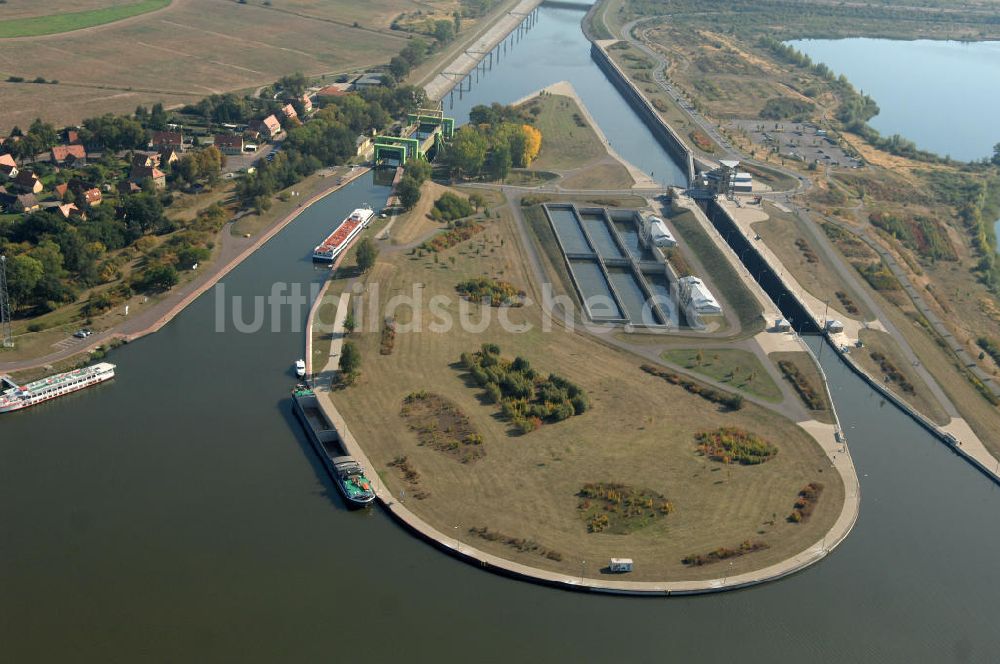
[(347, 473)]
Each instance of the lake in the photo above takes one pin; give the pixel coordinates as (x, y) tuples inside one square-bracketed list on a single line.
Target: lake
[(943, 95)]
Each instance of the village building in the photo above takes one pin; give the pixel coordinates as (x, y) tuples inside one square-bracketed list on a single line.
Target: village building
[(26, 203), (229, 143), (28, 181), (92, 197), (269, 127), (127, 188), (68, 155), (167, 139), (8, 167), (140, 174)]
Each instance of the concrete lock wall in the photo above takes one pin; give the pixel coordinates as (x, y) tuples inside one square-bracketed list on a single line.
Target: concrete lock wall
[(664, 133)]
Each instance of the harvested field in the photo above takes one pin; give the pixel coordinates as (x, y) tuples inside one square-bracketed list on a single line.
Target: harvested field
[(226, 46)]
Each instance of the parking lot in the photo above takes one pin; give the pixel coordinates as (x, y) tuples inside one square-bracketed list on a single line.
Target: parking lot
[(797, 140)]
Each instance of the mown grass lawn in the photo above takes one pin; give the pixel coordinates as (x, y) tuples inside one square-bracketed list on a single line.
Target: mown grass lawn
[(639, 431), (737, 368), (52, 24)]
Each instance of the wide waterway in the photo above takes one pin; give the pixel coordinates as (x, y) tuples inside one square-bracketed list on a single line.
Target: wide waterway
[(943, 95), (178, 514)]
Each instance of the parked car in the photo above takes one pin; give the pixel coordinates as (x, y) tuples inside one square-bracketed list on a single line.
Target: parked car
[(82, 334)]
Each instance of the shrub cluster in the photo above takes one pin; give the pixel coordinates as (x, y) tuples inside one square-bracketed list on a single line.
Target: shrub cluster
[(847, 303), (450, 207), (522, 545), (730, 401), (527, 399), (878, 276), (735, 445), (722, 553), (990, 347), (698, 137), (493, 292), (410, 475), (802, 385), (805, 503), (924, 235), (620, 508), (891, 372), (388, 340), (807, 251), (441, 425), (786, 108), (462, 231)]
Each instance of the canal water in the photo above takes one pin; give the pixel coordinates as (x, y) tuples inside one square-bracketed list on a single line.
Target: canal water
[(520, 72), (943, 95), (178, 514)]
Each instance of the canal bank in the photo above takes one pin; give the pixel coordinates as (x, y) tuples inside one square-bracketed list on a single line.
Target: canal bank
[(664, 133)]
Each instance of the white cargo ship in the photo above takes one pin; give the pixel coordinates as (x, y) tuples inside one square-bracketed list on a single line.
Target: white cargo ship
[(342, 236), (23, 396)]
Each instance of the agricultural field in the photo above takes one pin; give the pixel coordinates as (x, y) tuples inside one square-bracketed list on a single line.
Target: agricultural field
[(185, 52), (54, 18), (530, 496)]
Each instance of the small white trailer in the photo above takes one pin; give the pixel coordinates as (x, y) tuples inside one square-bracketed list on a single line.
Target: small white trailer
[(621, 565)]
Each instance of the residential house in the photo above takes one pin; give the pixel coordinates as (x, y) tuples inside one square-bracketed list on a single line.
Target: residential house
[(289, 112), (330, 92), (269, 127), (167, 139), (26, 203), (307, 104), (168, 157), (229, 143), (369, 80), (140, 174), (92, 197), (61, 190), (8, 167), (146, 159), (68, 210), (127, 188), (72, 136), (28, 181), (68, 155)]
